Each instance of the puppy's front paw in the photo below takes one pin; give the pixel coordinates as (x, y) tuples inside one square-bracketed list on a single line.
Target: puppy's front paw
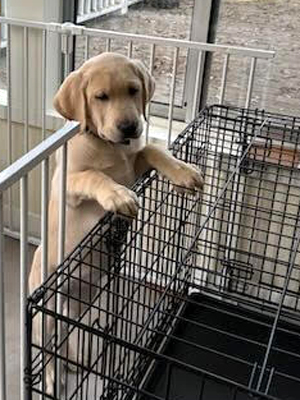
[(120, 200), (187, 178)]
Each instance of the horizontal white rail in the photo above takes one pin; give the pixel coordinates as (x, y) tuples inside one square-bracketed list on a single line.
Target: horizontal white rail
[(69, 28), (25, 164)]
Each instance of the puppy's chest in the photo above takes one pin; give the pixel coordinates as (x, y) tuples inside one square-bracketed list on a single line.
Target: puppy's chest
[(118, 165)]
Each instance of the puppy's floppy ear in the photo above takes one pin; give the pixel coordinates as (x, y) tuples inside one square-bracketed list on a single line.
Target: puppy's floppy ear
[(148, 82), (70, 100)]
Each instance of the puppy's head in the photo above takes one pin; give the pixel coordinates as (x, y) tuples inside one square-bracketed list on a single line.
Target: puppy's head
[(108, 95)]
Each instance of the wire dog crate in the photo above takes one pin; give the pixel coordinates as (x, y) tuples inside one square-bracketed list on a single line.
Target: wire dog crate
[(197, 298)]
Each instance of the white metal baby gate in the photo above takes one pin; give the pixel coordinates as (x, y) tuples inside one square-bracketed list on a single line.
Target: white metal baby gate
[(24, 116)]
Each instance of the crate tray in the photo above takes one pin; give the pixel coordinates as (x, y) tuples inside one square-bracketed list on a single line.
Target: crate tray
[(227, 341)]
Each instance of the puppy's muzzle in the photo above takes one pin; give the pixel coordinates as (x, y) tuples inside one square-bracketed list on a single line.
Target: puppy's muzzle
[(129, 129)]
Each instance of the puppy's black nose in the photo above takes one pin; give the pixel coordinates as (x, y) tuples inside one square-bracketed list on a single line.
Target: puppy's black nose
[(128, 128)]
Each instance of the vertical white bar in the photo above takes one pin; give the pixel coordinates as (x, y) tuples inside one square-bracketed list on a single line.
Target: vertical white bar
[(67, 63), (9, 120), (172, 94), (108, 44), (62, 204), (129, 50), (23, 277), (94, 5), (250, 82), (2, 308), (80, 8), (61, 248), (224, 78), (44, 77), (197, 85), (88, 6), (26, 88), (44, 222), (87, 48), (44, 244), (151, 67), (124, 8), (67, 50)]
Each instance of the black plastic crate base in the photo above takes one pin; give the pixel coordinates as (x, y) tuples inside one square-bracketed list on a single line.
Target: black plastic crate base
[(203, 343)]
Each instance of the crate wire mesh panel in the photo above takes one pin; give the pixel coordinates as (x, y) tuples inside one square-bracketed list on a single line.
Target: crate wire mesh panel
[(198, 297)]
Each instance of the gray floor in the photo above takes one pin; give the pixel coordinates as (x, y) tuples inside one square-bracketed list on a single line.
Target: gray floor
[(12, 313)]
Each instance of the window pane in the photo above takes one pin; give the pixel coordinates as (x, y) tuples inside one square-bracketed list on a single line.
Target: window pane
[(266, 24), (165, 18)]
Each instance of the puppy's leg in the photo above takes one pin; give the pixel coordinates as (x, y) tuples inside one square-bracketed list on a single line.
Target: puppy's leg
[(110, 195), (43, 330), (185, 177)]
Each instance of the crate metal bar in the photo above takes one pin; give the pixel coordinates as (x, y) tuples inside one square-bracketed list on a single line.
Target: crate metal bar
[(279, 308), (172, 94), (250, 82), (44, 85), (26, 91), (23, 279), (160, 349), (19, 168), (151, 67), (224, 78), (2, 306), (269, 380)]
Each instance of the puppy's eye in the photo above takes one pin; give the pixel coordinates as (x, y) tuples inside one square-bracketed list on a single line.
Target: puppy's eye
[(133, 91), (102, 97)]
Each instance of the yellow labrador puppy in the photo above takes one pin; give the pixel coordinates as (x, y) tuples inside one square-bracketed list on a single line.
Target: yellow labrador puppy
[(108, 95)]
